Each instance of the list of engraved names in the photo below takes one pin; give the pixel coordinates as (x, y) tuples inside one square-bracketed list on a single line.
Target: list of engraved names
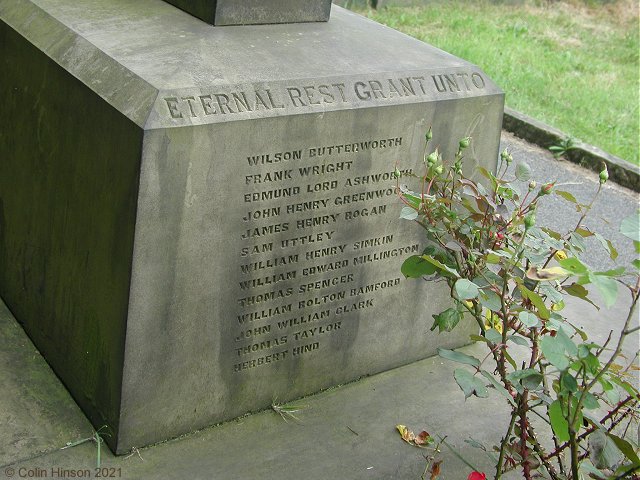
[(303, 255)]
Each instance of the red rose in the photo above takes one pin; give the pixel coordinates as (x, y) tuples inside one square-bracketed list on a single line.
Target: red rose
[(477, 476)]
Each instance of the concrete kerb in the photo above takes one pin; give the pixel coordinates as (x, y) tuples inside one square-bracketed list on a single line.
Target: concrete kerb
[(583, 154)]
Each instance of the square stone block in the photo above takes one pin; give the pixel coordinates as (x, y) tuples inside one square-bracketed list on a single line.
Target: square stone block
[(195, 221), (256, 12)]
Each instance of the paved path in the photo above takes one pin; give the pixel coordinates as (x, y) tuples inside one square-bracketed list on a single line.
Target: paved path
[(612, 205)]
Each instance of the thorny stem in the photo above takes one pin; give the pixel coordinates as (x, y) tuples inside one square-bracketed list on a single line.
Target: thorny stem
[(545, 386), (503, 444), (573, 444), (630, 331), (524, 450), (541, 454), (604, 345)]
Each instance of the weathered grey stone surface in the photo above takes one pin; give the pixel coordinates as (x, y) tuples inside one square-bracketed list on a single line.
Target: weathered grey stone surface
[(322, 444), (256, 12), (211, 218), (37, 415), (250, 12)]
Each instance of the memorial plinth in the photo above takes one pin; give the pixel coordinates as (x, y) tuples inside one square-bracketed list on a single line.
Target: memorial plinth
[(197, 220), (256, 12)]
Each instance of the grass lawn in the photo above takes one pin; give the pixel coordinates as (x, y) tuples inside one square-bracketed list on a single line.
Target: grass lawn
[(571, 64)]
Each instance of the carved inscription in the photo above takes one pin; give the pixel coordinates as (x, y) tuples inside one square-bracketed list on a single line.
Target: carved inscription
[(235, 100), (301, 262)]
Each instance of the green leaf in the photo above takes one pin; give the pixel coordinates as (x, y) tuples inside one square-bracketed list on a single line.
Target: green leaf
[(590, 401), (523, 171), (536, 300), (408, 213), (630, 227), (626, 448), (613, 395), (636, 263), (607, 287), (566, 195), (583, 351), (510, 359), (528, 318), (503, 391), (518, 340), (553, 350), (458, 357), (443, 269), (603, 452), (416, 267), (529, 378), (567, 343), (465, 289), (626, 386), (411, 197), (447, 320), (490, 300), (577, 290), (488, 175), (592, 363), (587, 468), (584, 233), (469, 384), (492, 258), (559, 424), (574, 266), (493, 335), (577, 242), (552, 294), (546, 399), (568, 383), (478, 338), (608, 246), (614, 272)]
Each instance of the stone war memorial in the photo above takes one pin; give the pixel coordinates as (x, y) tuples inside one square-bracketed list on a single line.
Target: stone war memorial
[(198, 212)]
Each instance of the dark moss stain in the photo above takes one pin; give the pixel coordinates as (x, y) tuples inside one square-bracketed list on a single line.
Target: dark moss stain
[(69, 171)]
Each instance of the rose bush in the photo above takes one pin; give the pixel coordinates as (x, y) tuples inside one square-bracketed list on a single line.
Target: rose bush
[(512, 277)]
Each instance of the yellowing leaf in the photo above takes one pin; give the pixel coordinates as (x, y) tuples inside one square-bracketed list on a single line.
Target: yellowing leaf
[(406, 434), (560, 255), (542, 274)]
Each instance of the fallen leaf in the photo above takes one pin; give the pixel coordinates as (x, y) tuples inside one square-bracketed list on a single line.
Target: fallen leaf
[(406, 434), (422, 438), (435, 470)]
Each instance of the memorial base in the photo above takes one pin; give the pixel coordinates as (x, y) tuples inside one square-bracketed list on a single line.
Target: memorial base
[(198, 220)]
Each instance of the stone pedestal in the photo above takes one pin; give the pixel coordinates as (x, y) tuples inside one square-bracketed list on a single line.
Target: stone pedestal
[(197, 220), (256, 12)]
